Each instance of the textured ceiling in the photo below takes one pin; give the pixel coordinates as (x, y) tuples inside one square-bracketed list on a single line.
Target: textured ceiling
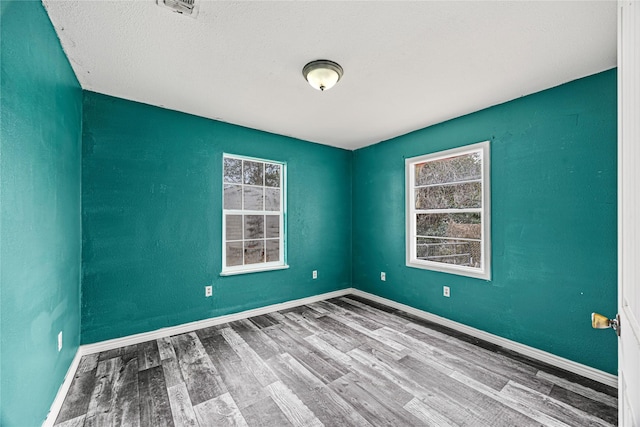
[(407, 65)]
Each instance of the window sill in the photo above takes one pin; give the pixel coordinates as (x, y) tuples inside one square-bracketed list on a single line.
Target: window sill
[(253, 270), (460, 271)]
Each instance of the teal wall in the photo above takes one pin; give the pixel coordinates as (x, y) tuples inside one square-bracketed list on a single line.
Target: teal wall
[(40, 242), (152, 218), (553, 188)]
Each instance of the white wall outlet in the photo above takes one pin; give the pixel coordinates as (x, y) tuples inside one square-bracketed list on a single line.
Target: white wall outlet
[(59, 340), (383, 276), (315, 274), (446, 291), (208, 291)]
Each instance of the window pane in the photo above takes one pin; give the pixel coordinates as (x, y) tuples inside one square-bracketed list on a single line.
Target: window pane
[(253, 173), (449, 251), (273, 226), (253, 251), (271, 175), (273, 250), (272, 199), (232, 196), (453, 169), (232, 170), (252, 209), (253, 226), (464, 225), (456, 196), (234, 254), (253, 198), (234, 227)]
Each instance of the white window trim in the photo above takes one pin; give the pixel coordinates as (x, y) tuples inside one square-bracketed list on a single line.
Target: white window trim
[(484, 272), (254, 270), (265, 266)]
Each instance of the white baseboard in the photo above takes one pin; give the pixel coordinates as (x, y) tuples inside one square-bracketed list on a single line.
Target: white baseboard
[(83, 350), (191, 326), (543, 356), (62, 391), (534, 353)]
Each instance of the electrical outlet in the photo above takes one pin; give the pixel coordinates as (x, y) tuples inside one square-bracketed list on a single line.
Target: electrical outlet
[(208, 291), (315, 274), (59, 340), (446, 291), (383, 276)]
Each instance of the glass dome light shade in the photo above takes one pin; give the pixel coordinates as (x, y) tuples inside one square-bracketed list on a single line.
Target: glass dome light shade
[(322, 74)]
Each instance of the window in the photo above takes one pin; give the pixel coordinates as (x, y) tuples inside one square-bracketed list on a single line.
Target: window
[(448, 211), (253, 215)]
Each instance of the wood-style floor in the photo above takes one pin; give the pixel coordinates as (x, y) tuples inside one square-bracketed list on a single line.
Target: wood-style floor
[(342, 362)]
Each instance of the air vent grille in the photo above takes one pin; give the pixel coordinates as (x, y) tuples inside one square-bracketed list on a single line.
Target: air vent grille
[(184, 7)]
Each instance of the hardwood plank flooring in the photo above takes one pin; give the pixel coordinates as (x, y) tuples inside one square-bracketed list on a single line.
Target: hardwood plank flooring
[(341, 362)]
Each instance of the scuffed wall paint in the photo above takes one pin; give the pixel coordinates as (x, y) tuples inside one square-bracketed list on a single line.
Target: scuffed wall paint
[(152, 218), (40, 242), (554, 232)]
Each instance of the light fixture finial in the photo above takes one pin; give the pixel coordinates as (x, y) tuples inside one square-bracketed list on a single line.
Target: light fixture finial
[(322, 74)]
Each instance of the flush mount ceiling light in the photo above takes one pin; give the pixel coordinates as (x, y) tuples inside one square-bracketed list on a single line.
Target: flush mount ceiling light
[(322, 74), (183, 7)]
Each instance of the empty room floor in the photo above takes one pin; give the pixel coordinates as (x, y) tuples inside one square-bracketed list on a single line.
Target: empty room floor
[(341, 362)]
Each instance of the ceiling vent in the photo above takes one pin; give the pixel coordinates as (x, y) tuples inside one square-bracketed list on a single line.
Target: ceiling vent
[(183, 7)]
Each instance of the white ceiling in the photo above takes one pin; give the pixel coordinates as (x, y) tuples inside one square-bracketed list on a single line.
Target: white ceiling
[(407, 65)]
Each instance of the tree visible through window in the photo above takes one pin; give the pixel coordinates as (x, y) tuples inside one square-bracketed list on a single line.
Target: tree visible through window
[(448, 211), (253, 214)]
